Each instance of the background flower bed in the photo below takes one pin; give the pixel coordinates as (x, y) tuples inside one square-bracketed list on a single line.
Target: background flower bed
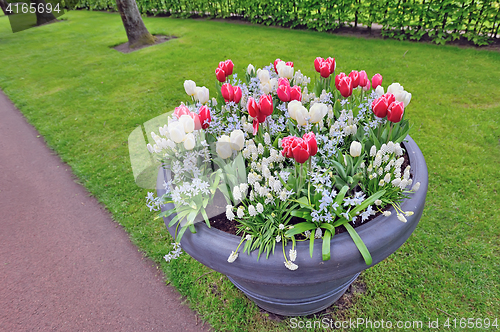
[(452, 260), (441, 21)]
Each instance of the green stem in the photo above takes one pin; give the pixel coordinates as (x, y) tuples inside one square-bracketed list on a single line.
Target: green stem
[(390, 133)]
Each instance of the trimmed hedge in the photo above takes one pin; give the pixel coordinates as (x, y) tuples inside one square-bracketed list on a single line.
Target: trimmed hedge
[(441, 20)]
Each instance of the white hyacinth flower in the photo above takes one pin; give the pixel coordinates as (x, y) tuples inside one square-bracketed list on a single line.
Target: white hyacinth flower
[(150, 148), (232, 257), (240, 212), (409, 213), (401, 217), (267, 139), (293, 255), (251, 211), (260, 208), (291, 266), (378, 202), (381, 183), (387, 178), (237, 193), (278, 238), (386, 213), (318, 234), (281, 226), (416, 186), (229, 212)]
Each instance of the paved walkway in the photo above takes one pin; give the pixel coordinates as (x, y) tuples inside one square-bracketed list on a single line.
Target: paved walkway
[(64, 264)]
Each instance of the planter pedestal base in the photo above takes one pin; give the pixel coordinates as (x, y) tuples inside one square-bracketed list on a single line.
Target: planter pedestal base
[(284, 300)]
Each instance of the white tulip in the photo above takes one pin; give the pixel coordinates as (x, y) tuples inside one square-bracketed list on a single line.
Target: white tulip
[(237, 139), (202, 94), (403, 96), (189, 141), (263, 76), (302, 115), (187, 122), (176, 131), (266, 87), (355, 149), (251, 70), (274, 84), (318, 112), (223, 147), (190, 87), (293, 106), (284, 70), (394, 88), (379, 90)]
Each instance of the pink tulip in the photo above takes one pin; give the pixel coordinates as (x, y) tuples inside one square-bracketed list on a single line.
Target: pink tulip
[(289, 63), (237, 94), (283, 81), (395, 111), (300, 151), (295, 93), (196, 119), (205, 118), (338, 78), (180, 111), (354, 75), (220, 74), (363, 78), (228, 67), (376, 80), (324, 69), (312, 144), (266, 105), (379, 107), (345, 86), (317, 63), (227, 91), (284, 93), (390, 98), (331, 62), (367, 86), (253, 107)]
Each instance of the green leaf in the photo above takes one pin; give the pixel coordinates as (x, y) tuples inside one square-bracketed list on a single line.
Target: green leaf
[(300, 228), (369, 201), (311, 244), (326, 245), (359, 243)]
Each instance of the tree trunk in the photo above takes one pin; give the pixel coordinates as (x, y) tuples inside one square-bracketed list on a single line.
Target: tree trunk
[(3, 5), (42, 18), (137, 33)]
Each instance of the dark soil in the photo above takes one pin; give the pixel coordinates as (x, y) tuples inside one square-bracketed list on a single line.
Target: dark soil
[(231, 226), (125, 48)]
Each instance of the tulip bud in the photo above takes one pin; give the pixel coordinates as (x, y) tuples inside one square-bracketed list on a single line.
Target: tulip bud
[(376, 80), (395, 111), (220, 74), (293, 106), (237, 94), (237, 139), (301, 116), (263, 75), (312, 144), (284, 93), (223, 147), (296, 94), (202, 95), (345, 87), (190, 87), (251, 70), (367, 86), (227, 92), (354, 75), (266, 105), (228, 67), (324, 69), (176, 131), (317, 63), (187, 122), (180, 111), (205, 117), (363, 78), (355, 149), (283, 81), (317, 112), (189, 141), (380, 90)]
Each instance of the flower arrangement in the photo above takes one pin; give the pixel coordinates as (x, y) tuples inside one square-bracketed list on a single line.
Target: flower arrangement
[(292, 164)]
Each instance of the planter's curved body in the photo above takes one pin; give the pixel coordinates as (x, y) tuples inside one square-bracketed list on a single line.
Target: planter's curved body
[(316, 284)]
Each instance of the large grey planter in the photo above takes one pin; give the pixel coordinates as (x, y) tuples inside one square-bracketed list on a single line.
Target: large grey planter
[(316, 284)]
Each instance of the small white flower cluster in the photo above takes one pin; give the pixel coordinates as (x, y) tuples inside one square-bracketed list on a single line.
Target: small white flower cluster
[(290, 263), (385, 161), (174, 253)]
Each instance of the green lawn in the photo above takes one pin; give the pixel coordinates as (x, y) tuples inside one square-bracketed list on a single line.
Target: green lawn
[(86, 98)]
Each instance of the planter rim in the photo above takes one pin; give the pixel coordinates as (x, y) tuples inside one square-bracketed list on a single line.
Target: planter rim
[(382, 236)]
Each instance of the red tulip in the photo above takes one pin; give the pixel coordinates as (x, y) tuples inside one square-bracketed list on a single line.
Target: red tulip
[(354, 75), (284, 93), (362, 78), (345, 86), (324, 69), (237, 94), (395, 111), (295, 93), (317, 63), (227, 91), (253, 107), (228, 67), (390, 98), (266, 105), (220, 74), (312, 144), (376, 80), (283, 81), (300, 151), (379, 107), (331, 61), (289, 63), (338, 78), (181, 110), (367, 86), (286, 144), (205, 117), (275, 64)]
